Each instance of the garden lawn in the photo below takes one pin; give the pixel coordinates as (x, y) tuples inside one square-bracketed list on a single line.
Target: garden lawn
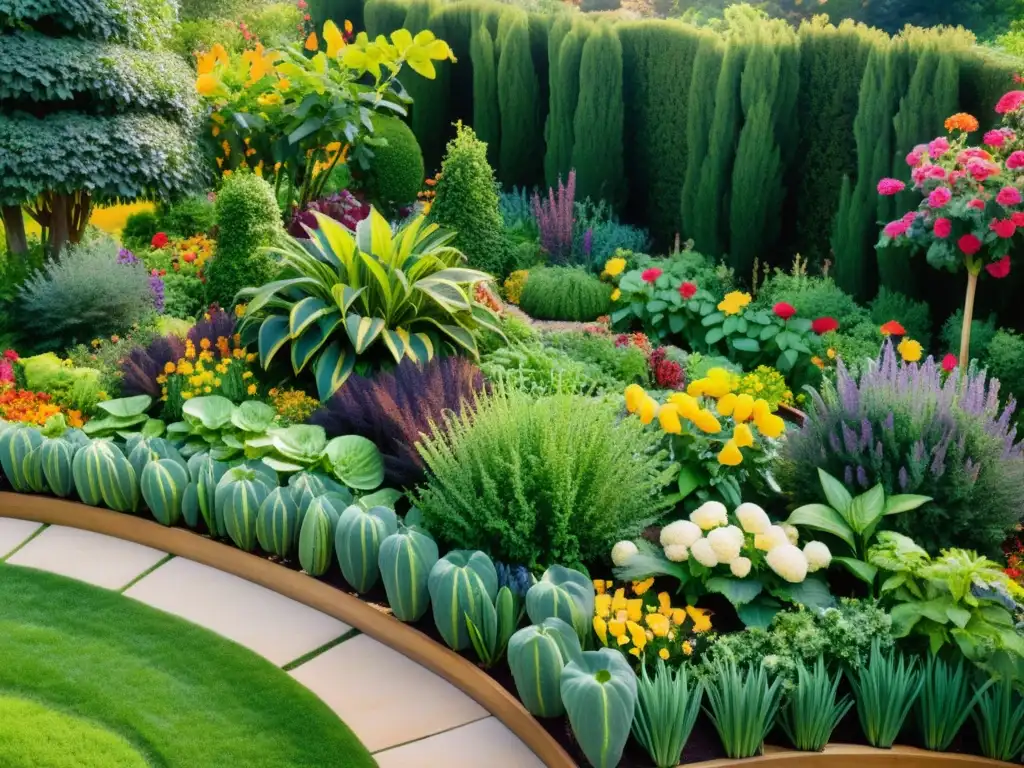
[(133, 686)]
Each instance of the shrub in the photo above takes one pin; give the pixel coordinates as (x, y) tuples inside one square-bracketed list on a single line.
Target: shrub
[(1004, 358), (857, 346), (513, 331), (600, 234), (539, 370), (396, 171), (275, 24), (982, 333), (513, 285), (538, 482), (139, 229), (914, 316), (466, 202), (192, 35), (622, 365), (564, 293), (516, 208), (395, 409), (248, 221), (83, 294), (191, 216), (184, 295), (913, 429), (812, 297)]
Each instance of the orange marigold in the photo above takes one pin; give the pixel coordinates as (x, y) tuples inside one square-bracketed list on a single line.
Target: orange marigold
[(961, 121)]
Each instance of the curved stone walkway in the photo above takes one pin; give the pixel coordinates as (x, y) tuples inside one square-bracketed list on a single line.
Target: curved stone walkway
[(407, 716)]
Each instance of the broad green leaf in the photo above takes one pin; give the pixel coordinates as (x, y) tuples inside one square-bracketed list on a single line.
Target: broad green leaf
[(835, 492), (356, 462), (822, 517), (737, 591), (713, 336), (212, 411), (811, 592), (904, 502), (759, 613), (863, 571), (126, 407), (420, 347), (332, 367), (253, 416), (273, 336), (306, 346), (304, 313), (302, 443), (690, 479), (395, 344), (746, 345), (363, 331), (866, 510)]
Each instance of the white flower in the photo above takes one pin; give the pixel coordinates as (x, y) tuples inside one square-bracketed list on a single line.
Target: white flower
[(818, 556), (677, 553), (680, 532), (710, 514), (775, 536), (724, 542), (752, 518), (791, 533), (740, 567), (789, 562), (623, 552), (704, 553)]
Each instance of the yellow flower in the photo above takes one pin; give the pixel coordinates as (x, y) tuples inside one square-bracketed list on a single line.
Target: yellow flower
[(207, 390), (701, 618), (269, 100), (619, 600), (186, 395), (623, 640), (687, 648), (831, 353), (664, 604), (185, 368), (647, 409), (663, 653), (730, 455), (678, 616), (603, 605), (637, 634), (599, 586), (617, 628), (686, 405), (910, 350), (734, 302), (616, 294), (743, 436), (640, 587), (216, 382), (744, 407), (311, 42), (207, 84), (169, 367), (635, 652), (250, 357), (761, 409), (668, 418), (634, 394), (659, 624), (334, 39), (726, 404), (601, 628), (707, 423), (634, 609), (771, 425), (251, 389), (614, 266)]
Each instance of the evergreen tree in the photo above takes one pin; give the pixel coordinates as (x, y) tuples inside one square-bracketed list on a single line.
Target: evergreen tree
[(521, 131), (556, 36), (338, 11), (597, 153), (422, 90), (699, 116), (382, 17), (565, 92), (486, 117)]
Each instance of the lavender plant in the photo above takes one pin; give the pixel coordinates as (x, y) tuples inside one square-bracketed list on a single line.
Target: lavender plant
[(914, 429), (555, 217)]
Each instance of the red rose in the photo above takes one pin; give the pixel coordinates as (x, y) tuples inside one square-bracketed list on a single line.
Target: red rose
[(942, 228), (650, 275), (976, 204), (784, 310), (1004, 228), (687, 290), (11, 356), (893, 328), (999, 269), (1017, 218), (949, 363), (824, 325), (189, 258), (969, 244), (159, 240)]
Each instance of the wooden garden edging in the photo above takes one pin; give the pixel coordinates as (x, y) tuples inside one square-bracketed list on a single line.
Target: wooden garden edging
[(854, 756), (464, 675)]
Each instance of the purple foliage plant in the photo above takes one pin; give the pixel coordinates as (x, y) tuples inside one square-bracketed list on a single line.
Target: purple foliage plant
[(556, 219)]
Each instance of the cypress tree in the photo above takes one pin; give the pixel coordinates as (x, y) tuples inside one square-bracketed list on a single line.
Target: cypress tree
[(338, 11), (597, 153), (565, 91), (540, 28), (486, 118), (556, 36), (521, 132), (701, 109), (422, 90), (382, 17)]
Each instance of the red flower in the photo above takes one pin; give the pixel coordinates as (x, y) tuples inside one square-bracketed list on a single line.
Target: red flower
[(1004, 228), (976, 204), (893, 328), (942, 228), (159, 240), (890, 186), (650, 275), (969, 244), (999, 269), (1010, 102), (949, 363), (11, 356), (1015, 160), (1017, 218), (1008, 196), (189, 258), (687, 290), (784, 310), (824, 325)]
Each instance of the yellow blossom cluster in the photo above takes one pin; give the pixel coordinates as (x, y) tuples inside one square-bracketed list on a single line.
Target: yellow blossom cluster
[(645, 623), (219, 367), (734, 302), (910, 350)]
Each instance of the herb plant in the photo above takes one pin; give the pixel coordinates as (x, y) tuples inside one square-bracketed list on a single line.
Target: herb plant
[(666, 710), (885, 691), (812, 712), (999, 718), (742, 706), (945, 702)]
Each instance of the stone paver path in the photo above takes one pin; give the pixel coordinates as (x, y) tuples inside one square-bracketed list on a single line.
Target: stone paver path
[(404, 713)]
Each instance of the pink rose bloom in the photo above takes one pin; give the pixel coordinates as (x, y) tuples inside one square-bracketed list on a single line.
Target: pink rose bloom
[(942, 228), (914, 158), (994, 138), (1017, 218), (909, 217), (955, 176), (919, 174), (1010, 102), (999, 269), (938, 147), (1015, 160), (1003, 228), (1008, 196), (890, 186), (939, 197), (981, 169), (976, 204), (896, 228), (969, 244), (6, 372), (935, 172)]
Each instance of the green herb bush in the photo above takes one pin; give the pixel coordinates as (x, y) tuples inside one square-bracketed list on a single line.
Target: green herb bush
[(538, 370), (813, 710), (999, 719), (813, 297), (564, 293), (396, 171), (915, 316), (885, 690), (621, 365), (248, 220), (184, 296), (83, 294), (857, 346), (191, 35), (513, 331), (466, 202), (742, 707), (982, 333), (187, 217), (539, 482), (1004, 359), (139, 229)]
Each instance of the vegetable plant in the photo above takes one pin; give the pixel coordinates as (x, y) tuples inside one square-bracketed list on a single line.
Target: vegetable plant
[(885, 690), (742, 705), (812, 711), (666, 710), (599, 691), (945, 701)]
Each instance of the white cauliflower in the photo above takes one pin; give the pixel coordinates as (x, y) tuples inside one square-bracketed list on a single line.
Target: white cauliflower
[(704, 553), (791, 533), (818, 556), (725, 544), (680, 532), (740, 567), (677, 553), (710, 514), (789, 562), (752, 518), (623, 552), (774, 537)]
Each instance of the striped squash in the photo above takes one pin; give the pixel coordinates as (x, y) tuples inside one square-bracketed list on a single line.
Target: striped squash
[(102, 473), (565, 593), (144, 450), (163, 485), (405, 560), (238, 498), (459, 583), (537, 655), (208, 473), (57, 456), (190, 505), (316, 537), (277, 523), (357, 543), (17, 445)]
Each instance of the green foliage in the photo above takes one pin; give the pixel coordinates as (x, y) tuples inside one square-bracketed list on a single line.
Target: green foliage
[(564, 293), (239, 496), (190, 36), (556, 480), (459, 584), (396, 171), (742, 706), (812, 297), (707, 64), (83, 294), (983, 333), (486, 113), (565, 90), (597, 152), (518, 100), (914, 316), (607, 234), (358, 541), (565, 594), (274, 25), (184, 218), (316, 536), (666, 710), (466, 202), (277, 523), (812, 712), (537, 655), (600, 5), (999, 719), (599, 690), (945, 702), (539, 371), (248, 221), (1004, 358), (139, 229), (885, 690), (184, 296), (621, 365), (141, 24)]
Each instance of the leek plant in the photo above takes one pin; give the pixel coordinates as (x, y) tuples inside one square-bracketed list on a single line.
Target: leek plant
[(743, 707), (885, 691), (1000, 721), (666, 709), (945, 702), (812, 712)]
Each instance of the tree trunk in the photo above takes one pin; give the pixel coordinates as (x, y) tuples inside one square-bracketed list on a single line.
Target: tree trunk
[(14, 226), (60, 223), (965, 331), (79, 208)]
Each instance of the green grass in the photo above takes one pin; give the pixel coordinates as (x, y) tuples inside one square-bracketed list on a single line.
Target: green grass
[(178, 694)]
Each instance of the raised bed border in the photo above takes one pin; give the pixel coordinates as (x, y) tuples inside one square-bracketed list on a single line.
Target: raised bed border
[(458, 671)]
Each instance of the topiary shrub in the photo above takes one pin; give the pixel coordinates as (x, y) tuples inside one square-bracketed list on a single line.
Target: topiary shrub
[(396, 171), (812, 296), (914, 316), (466, 202), (1004, 358), (248, 220), (139, 229), (539, 482), (982, 333), (184, 218), (564, 293), (184, 296)]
